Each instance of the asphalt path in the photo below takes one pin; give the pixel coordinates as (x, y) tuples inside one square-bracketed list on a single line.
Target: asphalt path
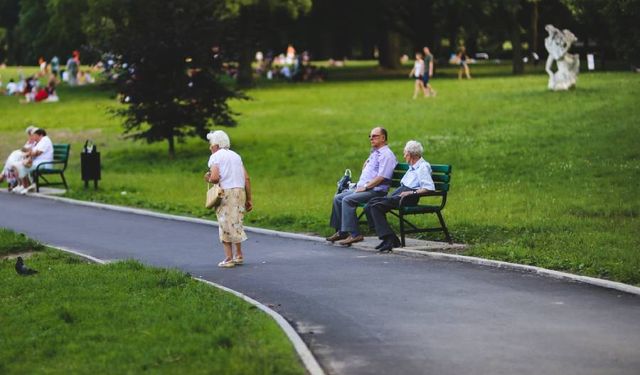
[(366, 313)]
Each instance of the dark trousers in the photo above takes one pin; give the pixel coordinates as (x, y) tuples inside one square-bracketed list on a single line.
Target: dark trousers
[(377, 208), (345, 204)]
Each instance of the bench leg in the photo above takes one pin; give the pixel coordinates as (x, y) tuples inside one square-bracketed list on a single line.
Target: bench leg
[(402, 241), (444, 227), (64, 181), (37, 182)]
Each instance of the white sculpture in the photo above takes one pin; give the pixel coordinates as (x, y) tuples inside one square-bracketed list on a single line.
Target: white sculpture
[(558, 44)]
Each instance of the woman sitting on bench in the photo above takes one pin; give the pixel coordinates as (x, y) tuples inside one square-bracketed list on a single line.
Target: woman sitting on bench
[(40, 153)]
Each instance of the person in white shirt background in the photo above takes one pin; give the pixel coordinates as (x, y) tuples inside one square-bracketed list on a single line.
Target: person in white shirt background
[(18, 160)]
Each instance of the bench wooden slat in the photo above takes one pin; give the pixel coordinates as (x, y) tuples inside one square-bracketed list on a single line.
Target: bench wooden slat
[(441, 186), (440, 168)]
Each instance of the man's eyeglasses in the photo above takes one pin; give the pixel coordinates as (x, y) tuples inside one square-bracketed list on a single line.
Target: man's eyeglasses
[(372, 136)]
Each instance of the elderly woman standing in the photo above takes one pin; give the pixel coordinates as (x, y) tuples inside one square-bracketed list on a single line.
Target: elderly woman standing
[(227, 170), (416, 180)]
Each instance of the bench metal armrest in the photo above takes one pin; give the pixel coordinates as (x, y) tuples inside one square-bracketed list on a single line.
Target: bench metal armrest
[(41, 165), (426, 194)]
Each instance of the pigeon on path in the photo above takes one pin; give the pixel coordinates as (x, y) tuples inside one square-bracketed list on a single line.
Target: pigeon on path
[(23, 270)]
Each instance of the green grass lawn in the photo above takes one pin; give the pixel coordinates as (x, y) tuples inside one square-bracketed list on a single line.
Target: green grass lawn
[(541, 178), (76, 317)]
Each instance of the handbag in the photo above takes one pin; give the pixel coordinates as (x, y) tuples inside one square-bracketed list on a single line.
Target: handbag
[(343, 183), (214, 196)]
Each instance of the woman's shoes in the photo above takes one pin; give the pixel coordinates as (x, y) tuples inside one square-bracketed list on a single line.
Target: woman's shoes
[(227, 263)]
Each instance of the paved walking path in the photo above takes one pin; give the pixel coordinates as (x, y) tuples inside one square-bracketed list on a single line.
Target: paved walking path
[(365, 313)]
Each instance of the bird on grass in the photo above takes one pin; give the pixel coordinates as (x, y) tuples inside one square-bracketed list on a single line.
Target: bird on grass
[(23, 270)]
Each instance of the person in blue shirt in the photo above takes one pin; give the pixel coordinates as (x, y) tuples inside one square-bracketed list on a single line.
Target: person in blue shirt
[(416, 180)]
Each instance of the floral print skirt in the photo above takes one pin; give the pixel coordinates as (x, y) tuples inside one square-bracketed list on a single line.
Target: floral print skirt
[(230, 215)]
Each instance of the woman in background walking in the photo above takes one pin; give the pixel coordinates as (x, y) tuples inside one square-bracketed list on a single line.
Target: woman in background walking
[(417, 72), (463, 58), (227, 170)]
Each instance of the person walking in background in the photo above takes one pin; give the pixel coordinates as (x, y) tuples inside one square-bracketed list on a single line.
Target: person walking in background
[(428, 73), (418, 72), (42, 64), (227, 170), (416, 180), (374, 182), (72, 71), (462, 59), (55, 66)]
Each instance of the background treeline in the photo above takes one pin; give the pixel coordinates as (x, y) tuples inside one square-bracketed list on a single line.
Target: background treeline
[(353, 29)]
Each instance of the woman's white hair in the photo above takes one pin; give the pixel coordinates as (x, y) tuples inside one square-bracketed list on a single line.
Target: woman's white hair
[(30, 129), (219, 138), (414, 148)]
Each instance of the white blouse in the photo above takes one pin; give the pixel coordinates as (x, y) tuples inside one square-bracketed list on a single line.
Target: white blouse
[(231, 168)]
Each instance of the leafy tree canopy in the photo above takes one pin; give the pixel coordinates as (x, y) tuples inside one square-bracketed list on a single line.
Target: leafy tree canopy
[(166, 78)]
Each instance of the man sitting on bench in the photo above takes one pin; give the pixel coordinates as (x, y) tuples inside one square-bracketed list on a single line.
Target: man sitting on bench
[(374, 182), (416, 180)]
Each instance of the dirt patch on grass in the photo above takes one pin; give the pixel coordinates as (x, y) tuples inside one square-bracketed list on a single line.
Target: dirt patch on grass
[(24, 255)]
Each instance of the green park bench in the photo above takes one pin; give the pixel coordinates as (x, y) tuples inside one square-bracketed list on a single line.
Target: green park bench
[(441, 175), (55, 167)]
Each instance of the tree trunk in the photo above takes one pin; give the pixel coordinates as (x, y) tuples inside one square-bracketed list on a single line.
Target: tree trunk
[(535, 16), (172, 146), (389, 49), (245, 71), (246, 43), (516, 42)]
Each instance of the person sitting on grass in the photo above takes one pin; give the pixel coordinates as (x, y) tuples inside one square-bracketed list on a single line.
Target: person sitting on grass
[(18, 160), (42, 152), (416, 180), (374, 182)]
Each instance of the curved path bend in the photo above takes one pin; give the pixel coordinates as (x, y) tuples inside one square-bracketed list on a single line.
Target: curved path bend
[(365, 313)]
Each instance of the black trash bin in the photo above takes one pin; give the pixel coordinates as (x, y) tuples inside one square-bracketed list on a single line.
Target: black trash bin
[(90, 164)]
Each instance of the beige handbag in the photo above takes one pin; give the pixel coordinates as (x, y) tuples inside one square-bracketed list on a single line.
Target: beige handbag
[(214, 196)]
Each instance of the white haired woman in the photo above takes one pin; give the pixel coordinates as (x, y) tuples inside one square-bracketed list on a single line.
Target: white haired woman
[(18, 162), (416, 180), (227, 170)]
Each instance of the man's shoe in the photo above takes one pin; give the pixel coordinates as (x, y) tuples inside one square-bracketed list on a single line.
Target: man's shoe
[(351, 240), (390, 242), (381, 244), (18, 189), (395, 241), (337, 236), (30, 188)]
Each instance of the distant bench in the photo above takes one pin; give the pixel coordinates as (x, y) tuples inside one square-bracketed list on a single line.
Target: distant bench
[(441, 175), (55, 167)]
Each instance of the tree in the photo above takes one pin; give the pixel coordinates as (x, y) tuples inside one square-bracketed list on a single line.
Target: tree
[(247, 22), (167, 80), (9, 16), (620, 27)]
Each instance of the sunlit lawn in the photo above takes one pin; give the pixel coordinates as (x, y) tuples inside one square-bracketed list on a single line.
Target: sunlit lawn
[(76, 317), (540, 178)]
